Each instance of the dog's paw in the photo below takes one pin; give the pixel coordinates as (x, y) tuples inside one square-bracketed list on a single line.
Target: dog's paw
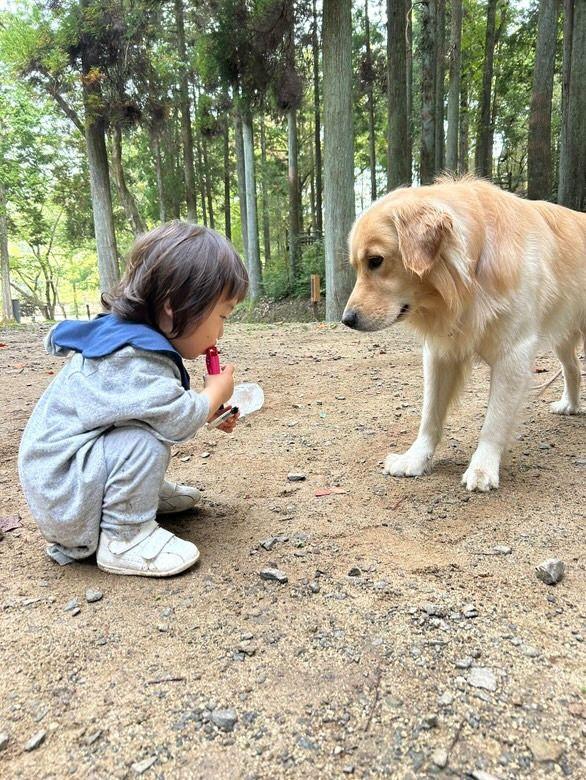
[(412, 463), (564, 407), (482, 478)]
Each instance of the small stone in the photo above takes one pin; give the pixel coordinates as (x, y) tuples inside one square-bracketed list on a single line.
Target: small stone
[(429, 721), (544, 750), (348, 769), (91, 596), (469, 611), (305, 743), (71, 605), (436, 610), (224, 719), (74, 612), (92, 737), (502, 549), (550, 571), (294, 476), (445, 699), (4, 739), (530, 651), (141, 766), (463, 663), (355, 572), (35, 741), (480, 774), (275, 575), (482, 677), (205, 455), (440, 757), (314, 587)]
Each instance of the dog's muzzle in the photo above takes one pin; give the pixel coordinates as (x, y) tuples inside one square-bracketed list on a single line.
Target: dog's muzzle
[(350, 318)]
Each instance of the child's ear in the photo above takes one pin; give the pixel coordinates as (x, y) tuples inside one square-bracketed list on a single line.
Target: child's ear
[(166, 318)]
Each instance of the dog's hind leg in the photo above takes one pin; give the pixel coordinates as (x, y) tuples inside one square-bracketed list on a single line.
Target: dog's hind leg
[(570, 400), (443, 376)]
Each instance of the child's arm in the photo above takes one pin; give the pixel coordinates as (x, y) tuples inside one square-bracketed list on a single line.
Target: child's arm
[(218, 388)]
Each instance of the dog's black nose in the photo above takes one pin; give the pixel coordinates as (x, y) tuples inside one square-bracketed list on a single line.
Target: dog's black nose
[(350, 318)]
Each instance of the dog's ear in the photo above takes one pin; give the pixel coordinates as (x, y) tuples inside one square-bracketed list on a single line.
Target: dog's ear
[(421, 231)]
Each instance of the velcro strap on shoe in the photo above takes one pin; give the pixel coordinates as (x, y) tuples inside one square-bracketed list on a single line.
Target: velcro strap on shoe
[(151, 541)]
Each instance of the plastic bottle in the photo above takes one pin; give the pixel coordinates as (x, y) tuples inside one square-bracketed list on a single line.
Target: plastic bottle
[(248, 397)]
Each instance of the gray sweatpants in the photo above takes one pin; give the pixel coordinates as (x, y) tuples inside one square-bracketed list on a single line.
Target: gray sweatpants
[(135, 463)]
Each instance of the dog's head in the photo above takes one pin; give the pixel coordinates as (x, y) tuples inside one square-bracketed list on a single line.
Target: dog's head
[(396, 247)]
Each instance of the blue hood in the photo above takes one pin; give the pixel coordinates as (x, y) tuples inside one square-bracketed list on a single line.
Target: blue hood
[(108, 333)]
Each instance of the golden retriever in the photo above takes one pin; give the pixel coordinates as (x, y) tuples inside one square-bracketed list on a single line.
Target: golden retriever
[(476, 271)]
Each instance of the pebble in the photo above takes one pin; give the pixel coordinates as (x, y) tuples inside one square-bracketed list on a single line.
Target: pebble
[(71, 605), (4, 739), (463, 663), (502, 549), (434, 609), (75, 611), (440, 757), (469, 611), (550, 571), (294, 476), (445, 699), (141, 766), (544, 750), (224, 719), (355, 572), (275, 575), (479, 774), (91, 596), (482, 677), (35, 741)]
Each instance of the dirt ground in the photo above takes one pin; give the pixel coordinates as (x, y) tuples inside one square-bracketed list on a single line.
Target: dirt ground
[(407, 642)]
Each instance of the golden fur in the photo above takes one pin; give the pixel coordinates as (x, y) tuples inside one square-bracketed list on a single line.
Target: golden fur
[(482, 272)]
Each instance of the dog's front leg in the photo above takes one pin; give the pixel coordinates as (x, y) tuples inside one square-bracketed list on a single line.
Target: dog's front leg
[(508, 383), (442, 378)]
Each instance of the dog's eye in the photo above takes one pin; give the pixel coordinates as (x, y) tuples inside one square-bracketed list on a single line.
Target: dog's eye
[(375, 262)]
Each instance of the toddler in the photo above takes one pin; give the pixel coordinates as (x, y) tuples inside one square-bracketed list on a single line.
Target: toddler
[(94, 453)]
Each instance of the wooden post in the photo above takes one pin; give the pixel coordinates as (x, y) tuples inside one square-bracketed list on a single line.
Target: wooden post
[(315, 293), (87, 308)]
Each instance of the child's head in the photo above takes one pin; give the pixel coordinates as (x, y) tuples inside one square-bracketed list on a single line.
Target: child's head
[(178, 273)]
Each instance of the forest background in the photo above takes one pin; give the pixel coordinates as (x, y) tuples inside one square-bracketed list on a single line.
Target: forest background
[(273, 122)]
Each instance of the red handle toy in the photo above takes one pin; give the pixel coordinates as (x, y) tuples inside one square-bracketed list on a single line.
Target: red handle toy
[(213, 361)]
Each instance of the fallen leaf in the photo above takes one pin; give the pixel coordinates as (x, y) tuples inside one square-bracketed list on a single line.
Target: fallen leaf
[(9, 522), (330, 491)]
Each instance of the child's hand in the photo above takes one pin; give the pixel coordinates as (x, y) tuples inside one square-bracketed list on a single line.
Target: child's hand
[(218, 388), (229, 424)]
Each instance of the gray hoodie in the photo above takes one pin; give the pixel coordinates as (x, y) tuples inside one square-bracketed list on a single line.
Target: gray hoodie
[(61, 460)]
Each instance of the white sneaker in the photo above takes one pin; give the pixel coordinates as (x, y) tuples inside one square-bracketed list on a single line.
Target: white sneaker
[(177, 498), (153, 552)]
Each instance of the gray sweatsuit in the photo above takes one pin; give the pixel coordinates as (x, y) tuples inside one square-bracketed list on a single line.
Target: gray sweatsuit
[(96, 447)]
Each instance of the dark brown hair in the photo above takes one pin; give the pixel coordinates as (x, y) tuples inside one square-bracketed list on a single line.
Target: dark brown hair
[(190, 266)]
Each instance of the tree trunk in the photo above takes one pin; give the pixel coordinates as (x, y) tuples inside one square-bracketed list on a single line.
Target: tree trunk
[(398, 141), (338, 152), (440, 78), (464, 124), (108, 270), (539, 165), (293, 190), (227, 208), (127, 200), (566, 67), (241, 184), (427, 159), (7, 313), (200, 182), (370, 103), (184, 103), (317, 126), (454, 88), (208, 184), (483, 156), (572, 189), (156, 150), (254, 267), (266, 225)]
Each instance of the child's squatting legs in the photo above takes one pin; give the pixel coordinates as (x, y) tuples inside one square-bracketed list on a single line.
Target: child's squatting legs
[(131, 541)]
